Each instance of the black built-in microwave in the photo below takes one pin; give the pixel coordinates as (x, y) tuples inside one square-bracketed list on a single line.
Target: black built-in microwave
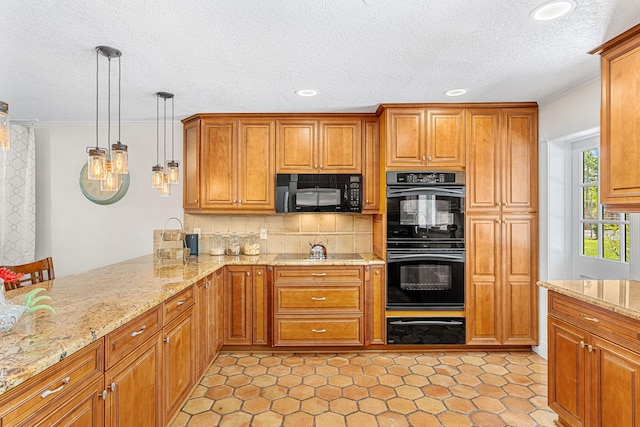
[(318, 193)]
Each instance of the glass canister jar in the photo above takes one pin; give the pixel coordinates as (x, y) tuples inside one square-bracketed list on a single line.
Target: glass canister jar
[(218, 245), (233, 244), (251, 245)]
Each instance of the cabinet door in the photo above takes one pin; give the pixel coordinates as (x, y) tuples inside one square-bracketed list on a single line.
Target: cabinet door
[(179, 361), (483, 170), (191, 165), (520, 159), (134, 388), (85, 408), (256, 165), (205, 313), (296, 146), (520, 295), (260, 304), (340, 147), (218, 284), (375, 305), (237, 305), (371, 172), (567, 371), (483, 276), (620, 124), (616, 392), (219, 164), (445, 138), (405, 138)]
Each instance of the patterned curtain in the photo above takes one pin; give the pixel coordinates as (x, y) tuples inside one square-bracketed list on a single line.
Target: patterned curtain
[(18, 198)]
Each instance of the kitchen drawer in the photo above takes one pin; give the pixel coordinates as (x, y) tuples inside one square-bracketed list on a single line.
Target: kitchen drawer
[(596, 320), (178, 304), (56, 384), (319, 274), (317, 331), (129, 336), (291, 299)]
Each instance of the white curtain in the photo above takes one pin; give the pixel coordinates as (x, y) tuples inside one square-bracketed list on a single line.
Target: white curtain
[(18, 198)]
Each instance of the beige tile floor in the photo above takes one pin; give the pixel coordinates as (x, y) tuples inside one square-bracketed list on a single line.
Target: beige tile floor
[(454, 389)]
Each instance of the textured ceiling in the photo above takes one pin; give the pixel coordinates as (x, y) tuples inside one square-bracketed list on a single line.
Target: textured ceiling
[(252, 55)]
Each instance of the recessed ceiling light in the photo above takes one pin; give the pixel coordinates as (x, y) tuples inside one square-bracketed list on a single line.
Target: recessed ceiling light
[(455, 92), (553, 10), (306, 92), (375, 3)]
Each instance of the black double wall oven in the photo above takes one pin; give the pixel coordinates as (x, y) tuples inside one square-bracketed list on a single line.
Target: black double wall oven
[(425, 257)]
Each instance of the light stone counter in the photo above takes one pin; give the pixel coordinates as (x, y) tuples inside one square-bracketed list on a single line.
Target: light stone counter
[(620, 296), (90, 305)]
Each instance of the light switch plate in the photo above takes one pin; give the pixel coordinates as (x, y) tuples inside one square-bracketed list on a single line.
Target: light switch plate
[(263, 233)]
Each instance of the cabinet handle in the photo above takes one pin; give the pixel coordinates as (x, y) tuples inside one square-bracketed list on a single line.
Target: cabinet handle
[(318, 298), (315, 166), (55, 390), (430, 158), (103, 395), (582, 344), (136, 333), (240, 201), (377, 272), (318, 274), (321, 166), (424, 158), (499, 204), (259, 273), (112, 387), (590, 348), (248, 273), (235, 201), (182, 301), (319, 331), (166, 340), (590, 319)]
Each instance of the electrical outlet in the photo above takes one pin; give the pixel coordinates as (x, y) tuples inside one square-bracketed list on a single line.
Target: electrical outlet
[(198, 231), (263, 233)]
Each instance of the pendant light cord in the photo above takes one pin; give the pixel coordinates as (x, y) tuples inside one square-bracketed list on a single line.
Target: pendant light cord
[(119, 98), (157, 129), (173, 157), (97, 94), (164, 126)]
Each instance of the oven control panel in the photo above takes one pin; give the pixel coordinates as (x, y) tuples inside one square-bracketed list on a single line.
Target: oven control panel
[(423, 177)]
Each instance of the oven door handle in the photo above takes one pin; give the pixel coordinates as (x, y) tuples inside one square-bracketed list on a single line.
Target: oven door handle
[(420, 191), (426, 257), (425, 322)]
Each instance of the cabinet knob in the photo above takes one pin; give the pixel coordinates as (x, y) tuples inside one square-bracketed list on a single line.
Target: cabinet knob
[(377, 272), (248, 273), (315, 166), (259, 273), (430, 158), (582, 344), (240, 201), (166, 340), (321, 166), (112, 387), (235, 201), (590, 348), (424, 158)]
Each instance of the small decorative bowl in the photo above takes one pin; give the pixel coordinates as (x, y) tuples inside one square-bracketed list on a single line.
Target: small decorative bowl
[(9, 315)]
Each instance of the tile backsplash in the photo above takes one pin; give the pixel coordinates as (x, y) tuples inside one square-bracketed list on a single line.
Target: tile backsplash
[(290, 233)]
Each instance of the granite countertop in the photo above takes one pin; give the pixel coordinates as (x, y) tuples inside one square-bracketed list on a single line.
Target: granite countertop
[(89, 305), (620, 296)]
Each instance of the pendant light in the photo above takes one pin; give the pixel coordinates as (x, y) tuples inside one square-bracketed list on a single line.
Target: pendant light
[(104, 164), (173, 166), (5, 134), (166, 173)]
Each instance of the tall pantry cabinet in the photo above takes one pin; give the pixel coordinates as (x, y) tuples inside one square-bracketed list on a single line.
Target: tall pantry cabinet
[(501, 226)]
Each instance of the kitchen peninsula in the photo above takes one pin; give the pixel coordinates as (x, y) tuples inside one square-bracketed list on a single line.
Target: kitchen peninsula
[(88, 335), (594, 351)]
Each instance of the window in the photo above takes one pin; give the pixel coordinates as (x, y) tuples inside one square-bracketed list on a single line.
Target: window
[(604, 235)]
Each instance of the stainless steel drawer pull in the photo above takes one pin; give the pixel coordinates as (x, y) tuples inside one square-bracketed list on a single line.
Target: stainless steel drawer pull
[(136, 333), (318, 298), (48, 392), (181, 302), (590, 319), (319, 331), (318, 274), (582, 344)]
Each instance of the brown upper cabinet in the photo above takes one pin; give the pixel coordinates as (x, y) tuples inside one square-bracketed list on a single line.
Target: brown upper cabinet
[(620, 122), (304, 145), (424, 137), (229, 165), (371, 169)]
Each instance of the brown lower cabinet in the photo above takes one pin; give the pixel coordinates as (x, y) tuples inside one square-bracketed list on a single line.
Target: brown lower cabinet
[(245, 305), (206, 312), (594, 365)]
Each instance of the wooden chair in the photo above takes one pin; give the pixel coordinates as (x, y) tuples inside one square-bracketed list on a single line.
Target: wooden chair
[(34, 272)]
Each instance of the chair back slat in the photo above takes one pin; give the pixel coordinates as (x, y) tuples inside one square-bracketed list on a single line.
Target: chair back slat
[(34, 272)]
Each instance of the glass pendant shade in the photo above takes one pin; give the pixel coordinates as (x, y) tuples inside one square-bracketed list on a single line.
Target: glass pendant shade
[(96, 162), (157, 177), (120, 157), (111, 180), (173, 172), (165, 190), (5, 134)]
